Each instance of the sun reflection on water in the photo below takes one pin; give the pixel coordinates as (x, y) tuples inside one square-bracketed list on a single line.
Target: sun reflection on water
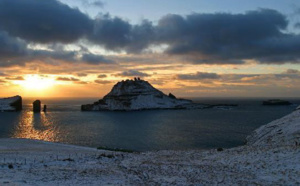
[(37, 126)]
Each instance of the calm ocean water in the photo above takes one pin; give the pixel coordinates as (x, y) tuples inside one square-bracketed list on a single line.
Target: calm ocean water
[(141, 130)]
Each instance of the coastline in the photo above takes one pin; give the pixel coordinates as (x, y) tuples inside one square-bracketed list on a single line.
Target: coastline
[(270, 157)]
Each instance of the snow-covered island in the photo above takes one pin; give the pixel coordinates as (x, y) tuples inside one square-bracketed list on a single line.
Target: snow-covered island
[(11, 104), (270, 157), (136, 94)]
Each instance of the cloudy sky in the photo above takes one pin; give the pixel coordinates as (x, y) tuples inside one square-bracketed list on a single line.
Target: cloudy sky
[(195, 48)]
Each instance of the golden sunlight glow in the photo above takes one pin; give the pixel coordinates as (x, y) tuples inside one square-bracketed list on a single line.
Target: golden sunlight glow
[(27, 127), (36, 82)]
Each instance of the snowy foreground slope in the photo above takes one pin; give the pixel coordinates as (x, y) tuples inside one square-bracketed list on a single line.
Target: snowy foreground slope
[(11, 103), (271, 157), (284, 131)]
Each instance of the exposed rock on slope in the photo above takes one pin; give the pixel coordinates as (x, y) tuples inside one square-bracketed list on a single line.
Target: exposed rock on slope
[(11, 104), (284, 131), (136, 95)]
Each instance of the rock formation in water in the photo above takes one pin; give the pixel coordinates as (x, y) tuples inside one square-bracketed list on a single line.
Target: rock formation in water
[(45, 108), (11, 104), (136, 94), (36, 106)]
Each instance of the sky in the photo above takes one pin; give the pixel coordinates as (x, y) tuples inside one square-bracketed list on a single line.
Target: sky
[(195, 48)]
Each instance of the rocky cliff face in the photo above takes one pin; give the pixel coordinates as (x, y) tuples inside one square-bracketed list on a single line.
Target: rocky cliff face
[(136, 95), (11, 104)]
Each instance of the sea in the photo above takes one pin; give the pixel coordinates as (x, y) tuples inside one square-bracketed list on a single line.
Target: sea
[(147, 130)]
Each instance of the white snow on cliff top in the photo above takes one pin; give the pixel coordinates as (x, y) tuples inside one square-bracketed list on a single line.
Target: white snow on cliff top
[(133, 87), (5, 103), (30, 162)]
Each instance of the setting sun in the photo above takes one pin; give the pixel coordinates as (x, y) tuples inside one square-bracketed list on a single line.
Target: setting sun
[(36, 82)]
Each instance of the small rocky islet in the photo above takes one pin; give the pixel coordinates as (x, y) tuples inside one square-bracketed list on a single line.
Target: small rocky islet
[(276, 102)]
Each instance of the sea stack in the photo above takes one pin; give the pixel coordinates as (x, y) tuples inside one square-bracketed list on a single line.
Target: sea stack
[(136, 94), (45, 108), (11, 104), (37, 106)]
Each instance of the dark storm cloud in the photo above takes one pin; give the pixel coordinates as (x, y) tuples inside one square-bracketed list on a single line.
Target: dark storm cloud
[(14, 51), (141, 37), (43, 21), (81, 82), (67, 79), (117, 34), (58, 55), (95, 59), (91, 3), (20, 78), (222, 36), (280, 49), (198, 76), (112, 33), (132, 73), (219, 38), (196, 60), (297, 25), (102, 82), (70, 56), (102, 76), (291, 71), (97, 3), (215, 38), (82, 74), (10, 47)]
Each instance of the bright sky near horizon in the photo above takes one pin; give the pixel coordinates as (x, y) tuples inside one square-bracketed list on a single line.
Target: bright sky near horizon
[(81, 48)]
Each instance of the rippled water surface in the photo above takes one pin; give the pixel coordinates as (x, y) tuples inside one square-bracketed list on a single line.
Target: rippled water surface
[(141, 130)]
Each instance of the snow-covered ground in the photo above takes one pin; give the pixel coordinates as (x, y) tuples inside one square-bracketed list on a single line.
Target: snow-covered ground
[(281, 132), (260, 162)]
